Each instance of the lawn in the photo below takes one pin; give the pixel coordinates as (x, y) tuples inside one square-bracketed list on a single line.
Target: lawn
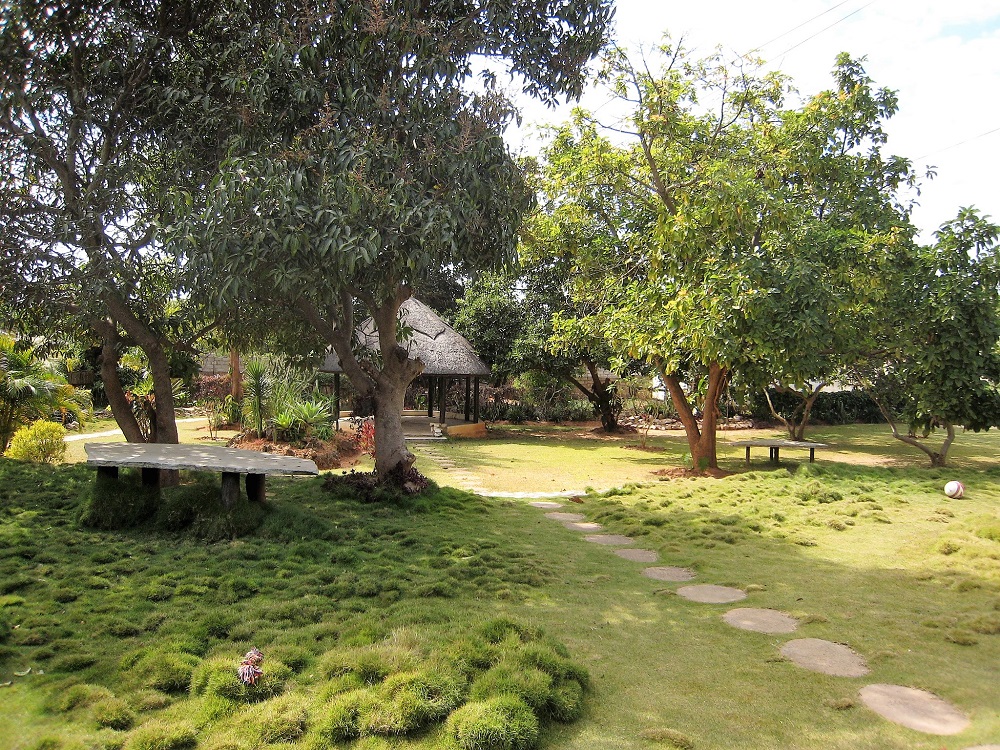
[(870, 553)]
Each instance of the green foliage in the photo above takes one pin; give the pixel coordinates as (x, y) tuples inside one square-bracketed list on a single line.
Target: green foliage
[(162, 734), (166, 671), (40, 442), (257, 390), (503, 723), (218, 677)]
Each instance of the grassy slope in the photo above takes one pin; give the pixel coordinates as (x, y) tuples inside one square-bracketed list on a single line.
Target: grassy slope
[(908, 578)]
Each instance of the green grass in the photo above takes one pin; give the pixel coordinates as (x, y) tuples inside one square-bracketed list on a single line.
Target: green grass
[(365, 612)]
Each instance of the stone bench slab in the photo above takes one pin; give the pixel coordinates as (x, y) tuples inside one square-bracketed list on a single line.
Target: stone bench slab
[(194, 457)]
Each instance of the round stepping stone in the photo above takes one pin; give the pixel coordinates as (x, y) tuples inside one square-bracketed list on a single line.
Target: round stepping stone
[(584, 526), (826, 657), (545, 504), (610, 539), (669, 573), (914, 709), (769, 621), (565, 516), (638, 555), (709, 593)]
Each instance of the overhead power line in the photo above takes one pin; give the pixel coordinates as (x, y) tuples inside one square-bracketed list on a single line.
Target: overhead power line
[(960, 143), (826, 28), (796, 28)]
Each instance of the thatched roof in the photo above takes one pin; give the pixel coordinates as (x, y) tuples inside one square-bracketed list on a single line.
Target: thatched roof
[(439, 346)]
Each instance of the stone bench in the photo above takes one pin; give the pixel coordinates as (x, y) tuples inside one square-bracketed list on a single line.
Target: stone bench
[(108, 458), (775, 447)]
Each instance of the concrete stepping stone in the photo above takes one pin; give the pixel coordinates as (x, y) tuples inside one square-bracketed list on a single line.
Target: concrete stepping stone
[(612, 540), (556, 516), (583, 526), (638, 555), (769, 621), (825, 657), (984, 747), (545, 504), (669, 573), (710, 593), (914, 709)]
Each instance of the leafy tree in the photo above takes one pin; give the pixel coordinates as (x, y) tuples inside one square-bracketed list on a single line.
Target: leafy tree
[(80, 82), (729, 240), (360, 161), (939, 334)]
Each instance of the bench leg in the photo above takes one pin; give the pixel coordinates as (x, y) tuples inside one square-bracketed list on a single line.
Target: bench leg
[(748, 456), (812, 455), (107, 472), (150, 477), (230, 488), (774, 455), (255, 487)]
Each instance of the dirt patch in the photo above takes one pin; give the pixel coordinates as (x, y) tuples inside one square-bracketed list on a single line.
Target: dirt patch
[(679, 472), (339, 453)]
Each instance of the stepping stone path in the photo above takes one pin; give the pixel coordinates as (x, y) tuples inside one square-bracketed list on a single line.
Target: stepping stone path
[(769, 621), (556, 516), (669, 573), (709, 593), (914, 709), (612, 540), (909, 707), (638, 555), (826, 657)]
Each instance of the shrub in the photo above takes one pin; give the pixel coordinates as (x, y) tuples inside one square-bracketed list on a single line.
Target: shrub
[(530, 685), (411, 701), (76, 696), (113, 713), (118, 504), (167, 671), (565, 701), (218, 677), (161, 734), (282, 719), (504, 723), (341, 715), (40, 442)]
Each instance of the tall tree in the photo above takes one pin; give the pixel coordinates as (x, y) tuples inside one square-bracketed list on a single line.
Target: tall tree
[(363, 160), (937, 344), (79, 83), (726, 209)]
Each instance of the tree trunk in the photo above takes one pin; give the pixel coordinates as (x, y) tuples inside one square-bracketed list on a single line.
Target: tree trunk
[(163, 392), (800, 429), (235, 375), (602, 395), (939, 458), (120, 406), (701, 442)]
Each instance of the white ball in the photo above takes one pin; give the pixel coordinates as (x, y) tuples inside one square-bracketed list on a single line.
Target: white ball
[(954, 489)]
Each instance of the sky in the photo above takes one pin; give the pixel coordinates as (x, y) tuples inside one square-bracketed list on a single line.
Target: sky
[(943, 59)]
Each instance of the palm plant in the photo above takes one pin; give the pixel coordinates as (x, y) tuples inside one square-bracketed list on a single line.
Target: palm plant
[(257, 390), (30, 389)]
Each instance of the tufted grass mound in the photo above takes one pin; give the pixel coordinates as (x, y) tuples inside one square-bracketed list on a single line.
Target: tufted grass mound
[(218, 677), (501, 723)]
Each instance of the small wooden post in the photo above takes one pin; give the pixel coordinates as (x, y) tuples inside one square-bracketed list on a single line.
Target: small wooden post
[(430, 397), (150, 477), (475, 399), (230, 488), (468, 387), (336, 400), (255, 487)]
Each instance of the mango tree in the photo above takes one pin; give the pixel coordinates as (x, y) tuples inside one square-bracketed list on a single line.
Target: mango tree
[(359, 160)]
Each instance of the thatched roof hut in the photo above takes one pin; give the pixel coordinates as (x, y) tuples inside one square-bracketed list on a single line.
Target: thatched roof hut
[(443, 350)]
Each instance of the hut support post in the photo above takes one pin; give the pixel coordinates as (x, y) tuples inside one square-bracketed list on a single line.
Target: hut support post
[(468, 388), (430, 397), (475, 400), (443, 399)]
